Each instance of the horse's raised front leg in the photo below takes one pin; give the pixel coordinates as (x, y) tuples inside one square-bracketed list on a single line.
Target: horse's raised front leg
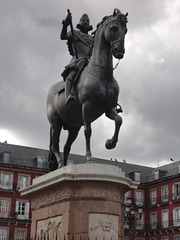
[(86, 111), (112, 114)]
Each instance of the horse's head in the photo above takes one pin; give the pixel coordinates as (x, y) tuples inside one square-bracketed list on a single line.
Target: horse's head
[(115, 30)]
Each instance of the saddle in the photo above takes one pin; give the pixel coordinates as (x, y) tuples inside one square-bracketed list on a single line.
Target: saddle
[(77, 66)]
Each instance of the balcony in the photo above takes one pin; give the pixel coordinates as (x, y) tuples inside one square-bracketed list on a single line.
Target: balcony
[(4, 214), (4, 185), (139, 202), (176, 197), (164, 199), (166, 225), (153, 202)]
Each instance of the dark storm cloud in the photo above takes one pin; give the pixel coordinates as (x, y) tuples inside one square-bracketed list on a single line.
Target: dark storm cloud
[(33, 57)]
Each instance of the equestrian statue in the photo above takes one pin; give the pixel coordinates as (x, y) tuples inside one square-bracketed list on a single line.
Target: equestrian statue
[(88, 89)]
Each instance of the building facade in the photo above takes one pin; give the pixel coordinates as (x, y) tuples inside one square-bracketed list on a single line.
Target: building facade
[(158, 194), (18, 167)]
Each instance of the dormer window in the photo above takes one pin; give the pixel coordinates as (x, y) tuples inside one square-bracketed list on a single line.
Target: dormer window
[(179, 168), (156, 175), (5, 157), (159, 174), (40, 161), (135, 176)]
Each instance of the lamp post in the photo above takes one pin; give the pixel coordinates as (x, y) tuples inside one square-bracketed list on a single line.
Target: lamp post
[(129, 216)]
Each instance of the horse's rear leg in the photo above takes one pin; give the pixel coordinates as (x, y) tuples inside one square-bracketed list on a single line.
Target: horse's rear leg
[(72, 135), (112, 114)]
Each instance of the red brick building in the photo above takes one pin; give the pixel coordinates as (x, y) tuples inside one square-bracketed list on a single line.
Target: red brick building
[(18, 167), (159, 195)]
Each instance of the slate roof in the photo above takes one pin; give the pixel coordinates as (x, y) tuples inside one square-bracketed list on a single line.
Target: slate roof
[(25, 156)]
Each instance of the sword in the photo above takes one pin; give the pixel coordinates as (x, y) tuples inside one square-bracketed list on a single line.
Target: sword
[(73, 40)]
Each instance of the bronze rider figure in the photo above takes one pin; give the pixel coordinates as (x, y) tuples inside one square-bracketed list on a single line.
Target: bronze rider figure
[(79, 45)]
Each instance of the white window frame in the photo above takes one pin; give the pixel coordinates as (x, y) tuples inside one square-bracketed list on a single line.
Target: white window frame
[(176, 216), (176, 192), (4, 233), (165, 238), (127, 195), (164, 195), (153, 196), (137, 176), (140, 222), (22, 183), (22, 209), (40, 161), (5, 207), (153, 220), (176, 237), (4, 182), (165, 224), (6, 157), (156, 175), (139, 199), (178, 168), (19, 232)]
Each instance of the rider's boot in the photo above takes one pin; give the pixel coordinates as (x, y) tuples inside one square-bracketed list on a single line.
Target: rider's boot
[(69, 93)]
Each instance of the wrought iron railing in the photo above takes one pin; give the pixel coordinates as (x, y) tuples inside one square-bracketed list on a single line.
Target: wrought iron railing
[(156, 225), (55, 236)]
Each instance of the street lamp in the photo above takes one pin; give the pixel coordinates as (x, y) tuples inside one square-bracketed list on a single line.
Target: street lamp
[(129, 216)]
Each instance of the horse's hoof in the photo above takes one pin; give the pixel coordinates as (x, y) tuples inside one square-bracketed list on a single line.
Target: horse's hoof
[(61, 164), (90, 159), (110, 144)]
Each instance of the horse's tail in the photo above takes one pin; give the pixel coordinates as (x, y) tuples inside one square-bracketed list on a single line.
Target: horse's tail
[(53, 165)]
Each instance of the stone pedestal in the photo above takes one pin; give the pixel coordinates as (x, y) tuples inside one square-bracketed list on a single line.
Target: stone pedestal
[(79, 200)]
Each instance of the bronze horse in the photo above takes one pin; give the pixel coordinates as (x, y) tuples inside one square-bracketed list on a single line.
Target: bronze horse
[(96, 92)]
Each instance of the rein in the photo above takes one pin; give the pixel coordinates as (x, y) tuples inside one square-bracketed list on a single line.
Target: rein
[(116, 65)]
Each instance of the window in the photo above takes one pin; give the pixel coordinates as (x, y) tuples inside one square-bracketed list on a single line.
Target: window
[(23, 181), (139, 197), (4, 233), (20, 234), (164, 194), (40, 161), (137, 176), (153, 197), (6, 180), (140, 222), (177, 237), (176, 191), (165, 238), (6, 157), (138, 238), (127, 195), (22, 209), (153, 220), (165, 218), (156, 175), (179, 168), (176, 216), (4, 208)]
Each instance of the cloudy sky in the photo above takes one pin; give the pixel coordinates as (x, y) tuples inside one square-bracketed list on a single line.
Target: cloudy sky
[(32, 58)]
